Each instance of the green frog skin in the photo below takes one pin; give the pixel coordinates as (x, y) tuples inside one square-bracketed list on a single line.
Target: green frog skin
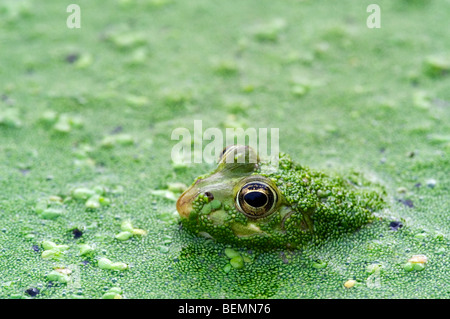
[(247, 202)]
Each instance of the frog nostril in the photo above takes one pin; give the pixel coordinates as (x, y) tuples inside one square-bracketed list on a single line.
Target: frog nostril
[(209, 195), (184, 202)]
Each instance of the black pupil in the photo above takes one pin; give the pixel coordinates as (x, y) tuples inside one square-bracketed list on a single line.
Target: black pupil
[(255, 199)]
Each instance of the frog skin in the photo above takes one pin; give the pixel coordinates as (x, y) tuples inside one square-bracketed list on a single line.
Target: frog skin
[(248, 202)]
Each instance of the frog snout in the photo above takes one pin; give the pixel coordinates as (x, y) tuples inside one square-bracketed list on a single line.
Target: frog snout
[(184, 202)]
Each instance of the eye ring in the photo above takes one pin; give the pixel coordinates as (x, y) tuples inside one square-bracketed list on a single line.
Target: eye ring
[(257, 198)]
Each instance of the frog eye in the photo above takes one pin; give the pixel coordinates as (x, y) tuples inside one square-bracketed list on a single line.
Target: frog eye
[(256, 199), (224, 151), (238, 154)]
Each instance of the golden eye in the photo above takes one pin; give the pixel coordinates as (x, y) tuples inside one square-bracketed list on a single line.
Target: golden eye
[(256, 199)]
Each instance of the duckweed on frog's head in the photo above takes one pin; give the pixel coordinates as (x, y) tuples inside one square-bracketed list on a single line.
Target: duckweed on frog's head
[(245, 201)]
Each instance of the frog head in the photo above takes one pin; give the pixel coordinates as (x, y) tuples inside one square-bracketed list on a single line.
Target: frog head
[(246, 201)]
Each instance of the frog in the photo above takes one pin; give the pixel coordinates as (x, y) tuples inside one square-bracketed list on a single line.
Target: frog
[(250, 202)]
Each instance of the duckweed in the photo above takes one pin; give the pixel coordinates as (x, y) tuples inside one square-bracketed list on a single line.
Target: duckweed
[(129, 231), (319, 264), (10, 117), (93, 202), (51, 213), (117, 140), (105, 263), (52, 250), (409, 266), (84, 61), (61, 277), (82, 193), (125, 235), (86, 249), (437, 65), (227, 268), (113, 293), (237, 262), (165, 194), (349, 283), (176, 187), (269, 31), (65, 123), (231, 253)]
